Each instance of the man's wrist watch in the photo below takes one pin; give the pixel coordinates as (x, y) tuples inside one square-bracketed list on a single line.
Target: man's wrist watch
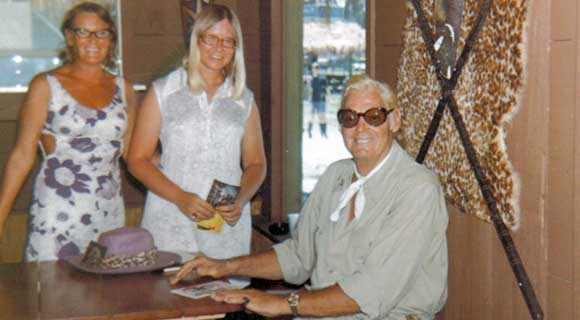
[(293, 300)]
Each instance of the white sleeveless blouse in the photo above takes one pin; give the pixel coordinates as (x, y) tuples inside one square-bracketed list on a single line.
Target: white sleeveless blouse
[(200, 142)]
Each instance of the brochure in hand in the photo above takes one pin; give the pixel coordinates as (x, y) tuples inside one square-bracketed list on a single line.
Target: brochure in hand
[(202, 290), (220, 194)]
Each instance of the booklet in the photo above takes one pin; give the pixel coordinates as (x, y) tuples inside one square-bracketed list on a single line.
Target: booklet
[(202, 290), (220, 194)]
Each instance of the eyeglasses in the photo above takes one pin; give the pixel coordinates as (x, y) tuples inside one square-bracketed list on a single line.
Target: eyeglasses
[(99, 34), (213, 40), (349, 118)]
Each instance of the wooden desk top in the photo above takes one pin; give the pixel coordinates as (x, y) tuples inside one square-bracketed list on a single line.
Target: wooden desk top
[(55, 290)]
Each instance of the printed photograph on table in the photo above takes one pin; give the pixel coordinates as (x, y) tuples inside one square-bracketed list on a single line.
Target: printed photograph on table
[(202, 290)]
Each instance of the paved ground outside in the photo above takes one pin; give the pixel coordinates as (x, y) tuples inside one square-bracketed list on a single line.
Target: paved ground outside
[(318, 152)]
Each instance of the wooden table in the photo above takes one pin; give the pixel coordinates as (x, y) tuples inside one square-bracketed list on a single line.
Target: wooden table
[(55, 290)]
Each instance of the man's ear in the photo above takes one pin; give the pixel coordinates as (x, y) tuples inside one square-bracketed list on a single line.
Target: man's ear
[(395, 120)]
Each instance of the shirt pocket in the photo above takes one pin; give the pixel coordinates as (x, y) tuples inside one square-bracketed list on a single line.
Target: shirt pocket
[(361, 245)]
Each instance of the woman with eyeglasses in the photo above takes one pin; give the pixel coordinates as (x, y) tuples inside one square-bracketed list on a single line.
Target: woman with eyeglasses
[(80, 115), (208, 125)]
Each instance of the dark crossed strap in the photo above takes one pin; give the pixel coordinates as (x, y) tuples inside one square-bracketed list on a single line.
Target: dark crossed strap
[(447, 99)]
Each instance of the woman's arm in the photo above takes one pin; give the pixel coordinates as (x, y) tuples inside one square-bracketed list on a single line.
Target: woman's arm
[(141, 162), (254, 166), (21, 159), (131, 110)]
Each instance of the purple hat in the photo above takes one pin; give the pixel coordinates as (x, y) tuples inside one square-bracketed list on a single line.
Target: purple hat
[(123, 250)]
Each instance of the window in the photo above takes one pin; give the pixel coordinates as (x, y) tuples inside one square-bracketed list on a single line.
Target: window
[(334, 47), (30, 38)]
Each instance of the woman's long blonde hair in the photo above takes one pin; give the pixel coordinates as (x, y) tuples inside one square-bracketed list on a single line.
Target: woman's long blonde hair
[(236, 71)]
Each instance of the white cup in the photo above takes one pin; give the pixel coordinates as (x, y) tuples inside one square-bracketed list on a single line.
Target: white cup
[(292, 219)]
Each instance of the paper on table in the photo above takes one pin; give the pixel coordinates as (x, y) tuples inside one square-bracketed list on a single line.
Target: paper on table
[(202, 290)]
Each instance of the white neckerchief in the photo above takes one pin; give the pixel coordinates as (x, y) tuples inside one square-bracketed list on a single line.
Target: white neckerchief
[(357, 188)]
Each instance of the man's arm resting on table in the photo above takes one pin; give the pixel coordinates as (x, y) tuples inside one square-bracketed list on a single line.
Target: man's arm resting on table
[(262, 265), (327, 302)]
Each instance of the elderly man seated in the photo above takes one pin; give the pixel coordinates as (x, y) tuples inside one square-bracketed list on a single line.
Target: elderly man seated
[(371, 238)]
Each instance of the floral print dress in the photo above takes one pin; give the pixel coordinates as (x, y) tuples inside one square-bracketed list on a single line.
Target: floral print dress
[(77, 193)]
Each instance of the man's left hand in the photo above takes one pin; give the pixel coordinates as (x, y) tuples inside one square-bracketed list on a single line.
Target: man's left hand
[(268, 305)]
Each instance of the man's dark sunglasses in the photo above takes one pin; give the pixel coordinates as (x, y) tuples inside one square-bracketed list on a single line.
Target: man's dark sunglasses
[(375, 117)]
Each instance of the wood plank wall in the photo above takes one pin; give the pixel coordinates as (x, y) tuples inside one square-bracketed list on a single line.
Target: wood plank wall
[(542, 140), (560, 24)]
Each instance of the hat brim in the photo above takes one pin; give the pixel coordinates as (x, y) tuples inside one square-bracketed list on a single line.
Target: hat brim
[(164, 259)]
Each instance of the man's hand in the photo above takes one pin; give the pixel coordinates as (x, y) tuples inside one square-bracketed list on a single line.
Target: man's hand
[(268, 305), (231, 213), (203, 267)]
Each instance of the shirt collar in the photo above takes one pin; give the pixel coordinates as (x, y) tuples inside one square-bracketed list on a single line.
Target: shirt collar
[(384, 172)]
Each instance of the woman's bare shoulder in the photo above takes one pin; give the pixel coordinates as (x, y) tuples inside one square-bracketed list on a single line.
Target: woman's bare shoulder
[(39, 83)]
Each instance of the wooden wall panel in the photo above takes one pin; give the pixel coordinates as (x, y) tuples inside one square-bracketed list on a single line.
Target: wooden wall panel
[(563, 19), (152, 36), (561, 159), (562, 212), (560, 299), (386, 66), (9, 106), (14, 238), (390, 17), (385, 24), (481, 283), (277, 152), (576, 186)]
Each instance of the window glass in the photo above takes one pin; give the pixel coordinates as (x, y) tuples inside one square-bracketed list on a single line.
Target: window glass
[(30, 38), (334, 44)]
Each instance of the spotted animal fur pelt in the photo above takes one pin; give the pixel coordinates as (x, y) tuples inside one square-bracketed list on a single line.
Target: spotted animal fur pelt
[(488, 94)]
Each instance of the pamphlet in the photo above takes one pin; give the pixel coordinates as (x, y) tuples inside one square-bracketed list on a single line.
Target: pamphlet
[(202, 290), (220, 194)]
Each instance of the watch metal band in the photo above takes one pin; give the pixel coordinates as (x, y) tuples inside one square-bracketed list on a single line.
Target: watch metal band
[(293, 300)]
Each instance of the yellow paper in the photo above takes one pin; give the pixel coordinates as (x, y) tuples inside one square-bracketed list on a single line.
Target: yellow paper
[(214, 224)]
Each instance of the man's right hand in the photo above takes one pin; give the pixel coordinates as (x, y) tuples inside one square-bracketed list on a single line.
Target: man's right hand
[(202, 266)]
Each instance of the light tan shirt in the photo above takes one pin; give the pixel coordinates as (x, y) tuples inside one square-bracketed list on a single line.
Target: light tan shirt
[(392, 260)]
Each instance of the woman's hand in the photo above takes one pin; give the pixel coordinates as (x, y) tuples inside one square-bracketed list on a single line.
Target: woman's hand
[(194, 207), (231, 213), (265, 304)]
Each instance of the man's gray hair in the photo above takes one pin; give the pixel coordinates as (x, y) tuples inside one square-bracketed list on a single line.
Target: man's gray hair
[(364, 82)]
